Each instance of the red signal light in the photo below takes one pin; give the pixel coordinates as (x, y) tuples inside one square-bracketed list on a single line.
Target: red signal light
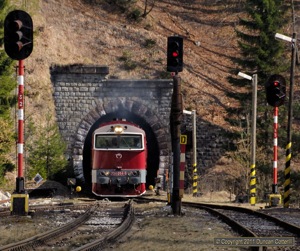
[(175, 54), (275, 90)]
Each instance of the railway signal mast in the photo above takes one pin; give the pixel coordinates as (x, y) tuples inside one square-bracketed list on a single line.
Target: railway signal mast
[(175, 65), (18, 44), (253, 136), (287, 170), (275, 90)]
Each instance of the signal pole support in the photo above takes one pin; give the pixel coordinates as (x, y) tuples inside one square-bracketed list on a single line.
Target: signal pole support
[(287, 170), (275, 151), (275, 197), (20, 179), (253, 142), (253, 137), (18, 45), (175, 124), (275, 92), (194, 161), (183, 142), (19, 200), (195, 172)]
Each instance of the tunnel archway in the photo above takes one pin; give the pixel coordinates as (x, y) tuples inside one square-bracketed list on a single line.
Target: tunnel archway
[(152, 145), (84, 97)]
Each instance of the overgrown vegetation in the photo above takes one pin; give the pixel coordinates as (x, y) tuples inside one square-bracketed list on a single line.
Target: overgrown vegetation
[(205, 65), (7, 100), (45, 147), (128, 63), (129, 7), (262, 55), (46, 152)]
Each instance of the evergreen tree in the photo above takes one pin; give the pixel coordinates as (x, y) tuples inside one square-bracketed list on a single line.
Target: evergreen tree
[(7, 100), (261, 55), (7, 83), (6, 142), (46, 152)]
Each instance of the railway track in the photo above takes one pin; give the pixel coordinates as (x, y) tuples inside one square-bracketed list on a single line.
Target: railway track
[(257, 225), (91, 226), (114, 234), (42, 208), (249, 223), (97, 231)]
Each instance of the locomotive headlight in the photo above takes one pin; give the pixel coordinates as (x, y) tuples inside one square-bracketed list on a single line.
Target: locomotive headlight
[(104, 173), (134, 173), (118, 129)]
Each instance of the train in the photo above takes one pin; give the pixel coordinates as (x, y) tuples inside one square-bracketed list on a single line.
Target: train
[(119, 160)]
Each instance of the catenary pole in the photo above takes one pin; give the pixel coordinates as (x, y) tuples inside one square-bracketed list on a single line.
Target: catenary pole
[(287, 170), (253, 142)]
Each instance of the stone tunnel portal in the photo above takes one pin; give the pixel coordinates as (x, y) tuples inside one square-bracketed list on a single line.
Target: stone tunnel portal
[(152, 144), (85, 97)]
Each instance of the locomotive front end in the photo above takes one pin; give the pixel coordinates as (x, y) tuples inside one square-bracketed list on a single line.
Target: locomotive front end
[(119, 160)]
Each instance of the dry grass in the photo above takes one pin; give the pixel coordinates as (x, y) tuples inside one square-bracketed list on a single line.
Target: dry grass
[(74, 32), (70, 31), (22, 228)]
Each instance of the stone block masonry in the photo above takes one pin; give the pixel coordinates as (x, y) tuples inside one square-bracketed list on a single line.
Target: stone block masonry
[(83, 95)]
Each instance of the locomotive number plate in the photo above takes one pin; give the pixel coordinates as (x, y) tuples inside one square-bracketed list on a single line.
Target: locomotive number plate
[(118, 174)]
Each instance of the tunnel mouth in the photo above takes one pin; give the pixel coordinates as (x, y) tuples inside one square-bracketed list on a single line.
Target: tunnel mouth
[(152, 144)]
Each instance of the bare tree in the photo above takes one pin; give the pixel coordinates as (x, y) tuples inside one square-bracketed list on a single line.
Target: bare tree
[(149, 5)]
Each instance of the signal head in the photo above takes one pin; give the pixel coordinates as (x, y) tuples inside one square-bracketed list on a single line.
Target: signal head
[(275, 90), (175, 54), (15, 25), (18, 34)]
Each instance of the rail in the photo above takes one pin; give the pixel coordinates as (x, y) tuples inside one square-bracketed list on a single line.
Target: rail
[(114, 234), (37, 240)]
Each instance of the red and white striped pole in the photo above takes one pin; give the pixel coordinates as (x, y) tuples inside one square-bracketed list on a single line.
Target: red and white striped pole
[(20, 146), (19, 22), (183, 141), (275, 185)]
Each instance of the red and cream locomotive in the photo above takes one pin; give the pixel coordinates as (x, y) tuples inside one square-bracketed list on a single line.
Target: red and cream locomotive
[(119, 160)]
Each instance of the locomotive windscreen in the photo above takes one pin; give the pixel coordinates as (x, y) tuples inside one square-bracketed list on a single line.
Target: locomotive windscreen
[(118, 142)]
